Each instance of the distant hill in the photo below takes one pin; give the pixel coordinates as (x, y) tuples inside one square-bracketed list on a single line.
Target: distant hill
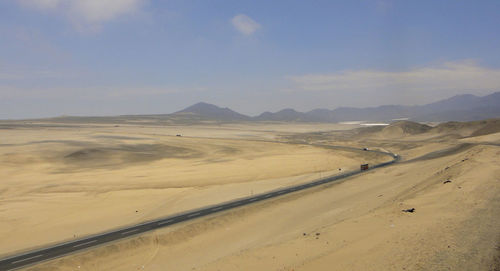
[(402, 128), (284, 115), (465, 107), (394, 130), (487, 127), (210, 111), (471, 128), (446, 129), (381, 113)]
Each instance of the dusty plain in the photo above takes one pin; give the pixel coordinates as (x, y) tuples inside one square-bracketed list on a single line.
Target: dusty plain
[(63, 181)]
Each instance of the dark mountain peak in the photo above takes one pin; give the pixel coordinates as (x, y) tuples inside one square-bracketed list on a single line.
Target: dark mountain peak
[(319, 110), (287, 111), (491, 100), (211, 111), (199, 107), (457, 100), (462, 96), (495, 95), (287, 114), (465, 107)]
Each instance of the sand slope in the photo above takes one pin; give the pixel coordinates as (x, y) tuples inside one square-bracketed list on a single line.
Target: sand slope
[(62, 183), (354, 225)]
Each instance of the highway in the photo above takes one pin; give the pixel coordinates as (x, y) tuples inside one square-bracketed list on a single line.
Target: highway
[(32, 257)]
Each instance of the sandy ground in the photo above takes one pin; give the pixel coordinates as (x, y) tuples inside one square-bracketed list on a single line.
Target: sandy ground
[(357, 224), (61, 183)]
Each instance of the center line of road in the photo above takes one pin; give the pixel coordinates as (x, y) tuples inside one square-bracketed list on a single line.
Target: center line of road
[(195, 214), (164, 222), (218, 208), (123, 233), (37, 256), (86, 243)]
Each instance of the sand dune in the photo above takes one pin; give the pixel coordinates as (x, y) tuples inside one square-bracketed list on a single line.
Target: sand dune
[(357, 224), (412, 130), (403, 128), (65, 183)]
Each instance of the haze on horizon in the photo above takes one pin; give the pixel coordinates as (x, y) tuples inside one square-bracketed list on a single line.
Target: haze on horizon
[(97, 57)]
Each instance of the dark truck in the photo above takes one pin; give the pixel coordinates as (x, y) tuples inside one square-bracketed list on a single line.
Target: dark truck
[(364, 166)]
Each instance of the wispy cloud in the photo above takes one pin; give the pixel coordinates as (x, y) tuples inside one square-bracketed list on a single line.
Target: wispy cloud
[(245, 24), (449, 76), (86, 14)]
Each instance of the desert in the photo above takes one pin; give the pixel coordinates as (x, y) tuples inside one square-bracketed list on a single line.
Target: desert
[(62, 183), (221, 135), (67, 182)]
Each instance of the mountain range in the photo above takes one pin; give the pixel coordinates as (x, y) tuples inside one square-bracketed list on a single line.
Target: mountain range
[(465, 107)]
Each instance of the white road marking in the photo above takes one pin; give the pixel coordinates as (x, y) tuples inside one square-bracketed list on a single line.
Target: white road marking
[(195, 214), (86, 243), (37, 256), (123, 233), (164, 222), (218, 208)]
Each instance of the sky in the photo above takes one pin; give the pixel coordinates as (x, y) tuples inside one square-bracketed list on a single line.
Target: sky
[(113, 57)]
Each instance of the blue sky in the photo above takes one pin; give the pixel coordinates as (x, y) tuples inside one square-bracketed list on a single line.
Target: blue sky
[(110, 57)]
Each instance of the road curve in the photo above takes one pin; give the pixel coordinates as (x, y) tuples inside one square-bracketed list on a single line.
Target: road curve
[(32, 257)]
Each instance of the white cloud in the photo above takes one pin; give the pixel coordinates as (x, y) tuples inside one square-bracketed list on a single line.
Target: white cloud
[(245, 24), (86, 13), (447, 77), (103, 10)]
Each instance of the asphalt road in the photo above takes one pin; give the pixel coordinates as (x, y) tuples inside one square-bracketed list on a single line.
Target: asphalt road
[(36, 256)]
